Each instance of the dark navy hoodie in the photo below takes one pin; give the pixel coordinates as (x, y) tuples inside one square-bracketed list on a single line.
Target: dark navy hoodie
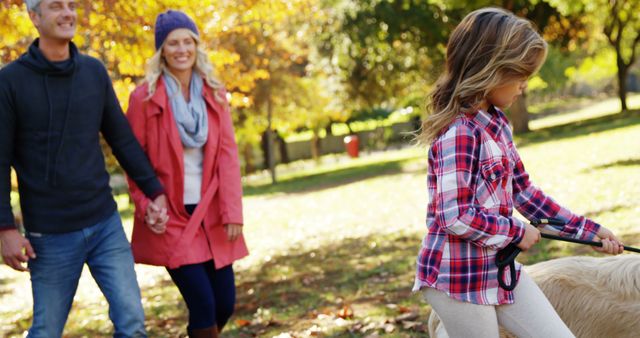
[(51, 117)]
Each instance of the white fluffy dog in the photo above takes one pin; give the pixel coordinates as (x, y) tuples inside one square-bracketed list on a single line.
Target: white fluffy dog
[(596, 297)]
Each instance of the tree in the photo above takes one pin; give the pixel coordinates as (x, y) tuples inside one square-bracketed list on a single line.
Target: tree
[(17, 32), (273, 37), (252, 44), (383, 50), (620, 24), (622, 29)]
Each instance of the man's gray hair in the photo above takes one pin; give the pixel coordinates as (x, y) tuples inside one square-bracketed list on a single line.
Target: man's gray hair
[(32, 5)]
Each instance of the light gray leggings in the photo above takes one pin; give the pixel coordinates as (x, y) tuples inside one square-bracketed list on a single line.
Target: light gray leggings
[(530, 316)]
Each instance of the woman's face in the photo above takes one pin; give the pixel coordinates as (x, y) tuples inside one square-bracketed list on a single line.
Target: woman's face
[(179, 51), (504, 96)]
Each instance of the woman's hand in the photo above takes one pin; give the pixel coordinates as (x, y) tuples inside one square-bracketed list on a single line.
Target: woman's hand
[(531, 236), (610, 243), (233, 231), (156, 215)]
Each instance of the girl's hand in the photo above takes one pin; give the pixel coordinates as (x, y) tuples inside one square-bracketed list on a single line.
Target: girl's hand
[(610, 243), (531, 237), (233, 231)]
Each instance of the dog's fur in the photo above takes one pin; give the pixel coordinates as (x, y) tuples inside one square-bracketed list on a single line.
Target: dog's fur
[(595, 297)]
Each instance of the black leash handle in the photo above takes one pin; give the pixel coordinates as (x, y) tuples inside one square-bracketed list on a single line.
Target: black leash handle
[(507, 256)]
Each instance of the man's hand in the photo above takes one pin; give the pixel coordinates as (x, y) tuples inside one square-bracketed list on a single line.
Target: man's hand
[(610, 243), (156, 215), (233, 231), (531, 236), (16, 250)]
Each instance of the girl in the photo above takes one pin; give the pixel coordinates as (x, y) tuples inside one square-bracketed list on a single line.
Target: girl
[(181, 117), (476, 178)]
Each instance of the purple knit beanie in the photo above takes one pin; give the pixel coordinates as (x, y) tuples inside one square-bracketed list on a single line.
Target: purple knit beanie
[(170, 20)]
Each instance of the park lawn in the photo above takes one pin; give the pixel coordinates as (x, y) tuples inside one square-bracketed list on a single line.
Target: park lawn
[(336, 258), (589, 109)]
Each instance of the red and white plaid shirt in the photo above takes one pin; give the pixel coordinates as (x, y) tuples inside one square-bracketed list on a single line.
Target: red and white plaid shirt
[(475, 179)]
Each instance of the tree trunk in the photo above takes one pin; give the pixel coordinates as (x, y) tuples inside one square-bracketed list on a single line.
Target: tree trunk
[(520, 115), (328, 129), (271, 156), (315, 145), (249, 167), (284, 152), (623, 72), (349, 127)]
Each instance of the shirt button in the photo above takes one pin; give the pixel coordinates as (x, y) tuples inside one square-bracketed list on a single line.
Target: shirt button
[(493, 177)]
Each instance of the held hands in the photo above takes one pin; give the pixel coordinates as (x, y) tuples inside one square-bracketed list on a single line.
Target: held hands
[(156, 215), (233, 231), (16, 250), (531, 236), (610, 243)]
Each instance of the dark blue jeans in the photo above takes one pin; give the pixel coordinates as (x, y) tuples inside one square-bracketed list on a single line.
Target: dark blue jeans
[(56, 271), (210, 294)]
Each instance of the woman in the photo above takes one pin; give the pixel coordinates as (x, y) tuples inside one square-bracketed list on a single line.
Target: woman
[(181, 118)]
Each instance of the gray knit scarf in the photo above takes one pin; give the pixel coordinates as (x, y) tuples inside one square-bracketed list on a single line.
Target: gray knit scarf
[(191, 117)]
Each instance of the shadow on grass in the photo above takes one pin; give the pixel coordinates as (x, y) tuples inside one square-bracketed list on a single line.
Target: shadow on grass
[(358, 287), (4, 283), (582, 127), (621, 163), (329, 179), (613, 208), (355, 282)]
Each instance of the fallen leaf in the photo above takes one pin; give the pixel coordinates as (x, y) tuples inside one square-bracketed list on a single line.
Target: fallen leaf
[(242, 322), (345, 313), (403, 309)]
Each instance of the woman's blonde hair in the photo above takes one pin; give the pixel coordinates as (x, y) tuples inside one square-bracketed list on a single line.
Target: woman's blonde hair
[(488, 48), (156, 66)]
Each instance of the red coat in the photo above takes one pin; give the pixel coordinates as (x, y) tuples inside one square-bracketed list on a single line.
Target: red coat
[(187, 242)]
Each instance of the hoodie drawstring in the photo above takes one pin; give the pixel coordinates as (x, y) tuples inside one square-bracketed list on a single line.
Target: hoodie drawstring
[(50, 127), (64, 128)]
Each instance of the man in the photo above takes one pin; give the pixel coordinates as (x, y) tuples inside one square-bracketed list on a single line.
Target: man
[(54, 103)]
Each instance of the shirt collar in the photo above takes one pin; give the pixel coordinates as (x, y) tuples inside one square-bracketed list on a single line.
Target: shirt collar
[(491, 120)]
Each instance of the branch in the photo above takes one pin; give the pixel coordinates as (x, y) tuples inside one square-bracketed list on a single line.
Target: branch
[(609, 25)]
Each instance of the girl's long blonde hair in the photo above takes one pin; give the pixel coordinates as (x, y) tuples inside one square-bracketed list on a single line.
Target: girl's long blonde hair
[(156, 66), (488, 48)]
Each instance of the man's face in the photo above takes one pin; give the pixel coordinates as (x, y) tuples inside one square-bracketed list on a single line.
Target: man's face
[(55, 19)]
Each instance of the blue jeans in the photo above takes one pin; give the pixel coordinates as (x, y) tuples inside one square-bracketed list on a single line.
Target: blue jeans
[(57, 268)]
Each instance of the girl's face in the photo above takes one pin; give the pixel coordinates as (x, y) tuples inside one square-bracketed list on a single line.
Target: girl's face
[(504, 96), (179, 51)]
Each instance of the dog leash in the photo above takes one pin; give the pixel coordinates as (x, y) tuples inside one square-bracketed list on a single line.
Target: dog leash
[(507, 256)]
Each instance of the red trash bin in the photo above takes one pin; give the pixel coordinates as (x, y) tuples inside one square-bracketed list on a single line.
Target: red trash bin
[(351, 142)]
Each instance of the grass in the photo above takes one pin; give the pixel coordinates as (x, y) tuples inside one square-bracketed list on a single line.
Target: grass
[(333, 249), (339, 170), (600, 108)]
